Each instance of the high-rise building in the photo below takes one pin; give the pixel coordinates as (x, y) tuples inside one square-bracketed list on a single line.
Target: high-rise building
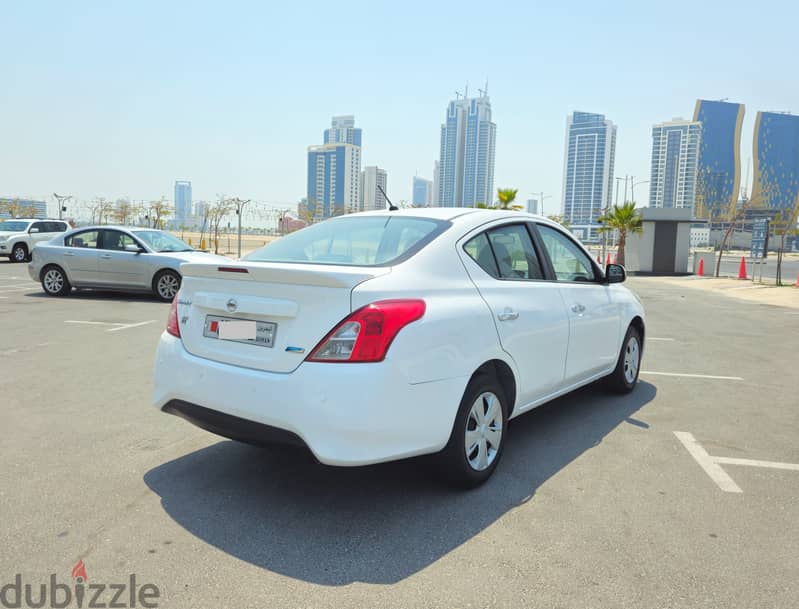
[(182, 201), (588, 167), (371, 197), (675, 157), (422, 195), (343, 131), (776, 154), (334, 170), (27, 208), (718, 175), (468, 142), (532, 206), (436, 181)]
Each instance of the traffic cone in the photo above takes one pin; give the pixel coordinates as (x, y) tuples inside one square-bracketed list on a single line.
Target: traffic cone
[(742, 268), (701, 270), (796, 285), (607, 262)]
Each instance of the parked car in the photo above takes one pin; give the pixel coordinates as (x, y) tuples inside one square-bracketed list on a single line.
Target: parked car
[(18, 237), (114, 258), (384, 335)]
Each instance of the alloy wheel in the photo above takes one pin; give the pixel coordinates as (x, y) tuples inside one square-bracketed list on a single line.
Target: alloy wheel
[(53, 281), (168, 285)]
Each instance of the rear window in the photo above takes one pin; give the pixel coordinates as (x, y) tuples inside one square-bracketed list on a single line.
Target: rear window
[(356, 241)]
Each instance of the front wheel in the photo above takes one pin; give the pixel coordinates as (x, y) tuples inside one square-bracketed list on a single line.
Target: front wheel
[(19, 253), (55, 282), (166, 284), (624, 378), (477, 440)]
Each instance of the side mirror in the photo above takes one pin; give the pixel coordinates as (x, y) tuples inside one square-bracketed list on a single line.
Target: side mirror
[(615, 273), (33, 230), (134, 248)]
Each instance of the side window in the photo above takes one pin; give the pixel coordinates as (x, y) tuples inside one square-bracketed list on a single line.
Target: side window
[(85, 239), (570, 262), (479, 250), (514, 252), (115, 240), (42, 226), (56, 227)]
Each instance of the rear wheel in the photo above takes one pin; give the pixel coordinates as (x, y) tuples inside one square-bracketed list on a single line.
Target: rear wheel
[(477, 440), (624, 378), (54, 281), (19, 253), (166, 284)]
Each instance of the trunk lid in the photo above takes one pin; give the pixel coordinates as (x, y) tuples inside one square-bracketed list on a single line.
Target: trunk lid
[(305, 301)]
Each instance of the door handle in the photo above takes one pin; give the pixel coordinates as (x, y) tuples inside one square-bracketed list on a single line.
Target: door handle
[(578, 308), (69, 253), (508, 315), (105, 256)]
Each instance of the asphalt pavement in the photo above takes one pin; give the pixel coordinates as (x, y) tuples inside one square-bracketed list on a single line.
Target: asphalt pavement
[(596, 503)]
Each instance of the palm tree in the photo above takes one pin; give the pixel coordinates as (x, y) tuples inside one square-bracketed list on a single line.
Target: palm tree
[(625, 219), (506, 197)]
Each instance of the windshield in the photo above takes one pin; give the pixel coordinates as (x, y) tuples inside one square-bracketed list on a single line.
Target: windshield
[(162, 242), (357, 241), (10, 226)]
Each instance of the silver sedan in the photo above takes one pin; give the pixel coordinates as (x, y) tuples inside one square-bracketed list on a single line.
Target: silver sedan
[(113, 258)]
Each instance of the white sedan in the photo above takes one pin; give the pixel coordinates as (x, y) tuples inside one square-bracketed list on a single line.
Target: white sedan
[(384, 335)]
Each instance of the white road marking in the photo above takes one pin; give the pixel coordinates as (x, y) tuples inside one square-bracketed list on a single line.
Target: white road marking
[(707, 463), (118, 325), (126, 326), (659, 338), (712, 465), (17, 288), (693, 376)]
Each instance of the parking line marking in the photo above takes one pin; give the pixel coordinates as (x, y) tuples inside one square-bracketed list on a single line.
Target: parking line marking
[(757, 463), (693, 376), (93, 323), (126, 326), (707, 463), (659, 338)]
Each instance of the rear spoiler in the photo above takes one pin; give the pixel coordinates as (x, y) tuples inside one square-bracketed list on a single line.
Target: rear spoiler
[(323, 275)]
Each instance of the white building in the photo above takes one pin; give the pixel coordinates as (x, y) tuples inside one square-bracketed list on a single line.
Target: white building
[(334, 184), (468, 144), (371, 197), (434, 196), (675, 157), (422, 193), (699, 236)]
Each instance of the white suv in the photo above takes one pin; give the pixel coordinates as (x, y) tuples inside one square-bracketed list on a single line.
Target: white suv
[(19, 236)]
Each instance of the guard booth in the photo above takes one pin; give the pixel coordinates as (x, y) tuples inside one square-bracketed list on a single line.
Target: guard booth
[(663, 246)]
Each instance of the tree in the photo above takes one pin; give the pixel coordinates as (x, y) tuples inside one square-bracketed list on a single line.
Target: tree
[(562, 220), (159, 211), (624, 219), (216, 213), (784, 225), (506, 196), (123, 211), (15, 209)]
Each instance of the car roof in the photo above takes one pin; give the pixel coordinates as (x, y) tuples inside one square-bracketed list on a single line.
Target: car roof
[(462, 215)]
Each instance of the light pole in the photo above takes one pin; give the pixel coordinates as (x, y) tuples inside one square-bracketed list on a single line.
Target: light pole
[(541, 196), (632, 188), (62, 199), (239, 208)]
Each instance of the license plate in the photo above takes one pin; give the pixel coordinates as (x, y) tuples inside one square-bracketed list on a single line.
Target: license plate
[(260, 333)]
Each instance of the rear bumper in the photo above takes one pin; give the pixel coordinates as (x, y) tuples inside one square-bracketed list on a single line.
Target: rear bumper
[(346, 414)]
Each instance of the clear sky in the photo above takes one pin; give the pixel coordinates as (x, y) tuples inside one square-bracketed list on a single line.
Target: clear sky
[(122, 98)]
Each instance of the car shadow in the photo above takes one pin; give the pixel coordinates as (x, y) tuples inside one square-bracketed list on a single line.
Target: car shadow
[(102, 295), (377, 524)]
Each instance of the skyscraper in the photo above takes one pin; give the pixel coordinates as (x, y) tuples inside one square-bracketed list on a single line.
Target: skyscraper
[(422, 195), (468, 141), (436, 182), (343, 131), (776, 154), (182, 201), (371, 197), (675, 157), (718, 176), (334, 170), (588, 167)]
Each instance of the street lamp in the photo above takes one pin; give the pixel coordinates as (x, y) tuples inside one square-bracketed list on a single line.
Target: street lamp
[(541, 196), (632, 188), (62, 199), (239, 208)]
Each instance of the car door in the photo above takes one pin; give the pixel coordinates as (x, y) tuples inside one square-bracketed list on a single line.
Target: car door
[(594, 316), (38, 232), (528, 311), (116, 266), (80, 256)]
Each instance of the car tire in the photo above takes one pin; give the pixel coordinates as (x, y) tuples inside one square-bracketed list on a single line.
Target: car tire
[(19, 253), (55, 282), (166, 284), (625, 377), (470, 466)]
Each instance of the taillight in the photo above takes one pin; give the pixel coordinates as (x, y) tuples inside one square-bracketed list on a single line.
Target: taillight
[(172, 326), (366, 335)]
